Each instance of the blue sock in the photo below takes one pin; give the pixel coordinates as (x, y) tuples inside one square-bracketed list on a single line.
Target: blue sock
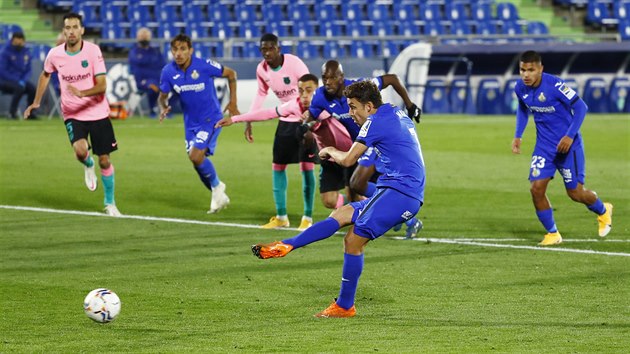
[(308, 191), (280, 183), (319, 231), (546, 218), (207, 174), (352, 268), (108, 188), (597, 207), (369, 191)]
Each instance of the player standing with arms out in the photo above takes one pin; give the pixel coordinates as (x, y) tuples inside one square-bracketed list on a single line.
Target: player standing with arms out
[(81, 71), (193, 80), (330, 98), (558, 113), (399, 195), (280, 73)]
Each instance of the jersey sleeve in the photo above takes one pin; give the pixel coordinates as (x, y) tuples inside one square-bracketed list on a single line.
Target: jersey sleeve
[(49, 67), (290, 108), (317, 104), (262, 91), (370, 133), (215, 69), (99, 66), (378, 81), (165, 83), (565, 94)]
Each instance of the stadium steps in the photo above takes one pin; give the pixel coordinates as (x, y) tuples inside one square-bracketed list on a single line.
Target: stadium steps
[(558, 25), (36, 28)]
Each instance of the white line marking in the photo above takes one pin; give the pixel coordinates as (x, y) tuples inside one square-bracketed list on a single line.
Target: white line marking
[(457, 241)]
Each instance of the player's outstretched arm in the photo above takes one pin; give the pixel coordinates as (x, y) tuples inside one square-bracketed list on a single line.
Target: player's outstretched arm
[(343, 158), (42, 83), (392, 80), (164, 107), (232, 106)]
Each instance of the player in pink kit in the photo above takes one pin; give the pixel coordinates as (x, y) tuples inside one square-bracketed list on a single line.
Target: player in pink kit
[(280, 73), (81, 70)]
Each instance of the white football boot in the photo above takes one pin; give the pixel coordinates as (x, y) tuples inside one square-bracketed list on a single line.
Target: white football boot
[(220, 200)]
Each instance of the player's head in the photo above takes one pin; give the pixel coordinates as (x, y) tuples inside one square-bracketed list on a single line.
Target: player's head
[(73, 28), (364, 98), (143, 36), (181, 47), (18, 40), (333, 78), (270, 49), (531, 68), (307, 85)]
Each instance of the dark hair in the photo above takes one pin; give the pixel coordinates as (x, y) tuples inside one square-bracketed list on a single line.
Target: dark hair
[(181, 38), (19, 35), (74, 15), (364, 91), (531, 56), (269, 37), (309, 77)]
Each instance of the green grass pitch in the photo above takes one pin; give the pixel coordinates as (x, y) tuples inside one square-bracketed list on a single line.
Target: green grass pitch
[(197, 288)]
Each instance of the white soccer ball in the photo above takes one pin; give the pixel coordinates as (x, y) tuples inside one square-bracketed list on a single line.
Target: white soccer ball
[(101, 305)]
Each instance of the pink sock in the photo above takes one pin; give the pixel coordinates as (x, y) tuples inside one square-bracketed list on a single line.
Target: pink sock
[(108, 171), (340, 201)]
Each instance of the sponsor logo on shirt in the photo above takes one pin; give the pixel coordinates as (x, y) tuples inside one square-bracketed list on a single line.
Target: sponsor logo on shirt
[(194, 87), (548, 109), (365, 128), (285, 93), (76, 78)]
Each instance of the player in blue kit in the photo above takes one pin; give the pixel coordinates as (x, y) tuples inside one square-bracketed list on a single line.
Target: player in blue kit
[(558, 113), (399, 194), (192, 79), (330, 98)]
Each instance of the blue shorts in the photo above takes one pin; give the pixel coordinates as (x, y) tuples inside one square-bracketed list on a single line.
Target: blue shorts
[(570, 166), (202, 137), (387, 208)]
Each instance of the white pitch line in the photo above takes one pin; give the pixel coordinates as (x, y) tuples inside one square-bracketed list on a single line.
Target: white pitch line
[(461, 241)]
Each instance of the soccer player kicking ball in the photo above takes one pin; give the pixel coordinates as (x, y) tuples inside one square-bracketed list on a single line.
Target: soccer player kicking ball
[(81, 70), (193, 80), (399, 194), (558, 113)]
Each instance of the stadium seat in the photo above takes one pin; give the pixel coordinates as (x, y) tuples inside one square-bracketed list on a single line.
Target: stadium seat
[(137, 13), (408, 29), (194, 13), (489, 97), (251, 50), (455, 11), (391, 49), (624, 30), (618, 95), (273, 12), (378, 12), (481, 11), (382, 28), (167, 30), (430, 12), (361, 49), (277, 28), (512, 29), (9, 29), (405, 11), (303, 29), (596, 12), (306, 50), (460, 28), (352, 10), (621, 10), (433, 28), (510, 101), (245, 13), (537, 28), (91, 17), (113, 13), (333, 50), (356, 29), (168, 13), (249, 30), (486, 28), (325, 11), (40, 51), (201, 50), (507, 11), (112, 31), (595, 95), (329, 29), (299, 12), (461, 98), (196, 30), (219, 12), (435, 97)]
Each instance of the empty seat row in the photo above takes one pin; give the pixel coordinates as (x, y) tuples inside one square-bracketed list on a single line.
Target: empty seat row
[(607, 12), (494, 98)]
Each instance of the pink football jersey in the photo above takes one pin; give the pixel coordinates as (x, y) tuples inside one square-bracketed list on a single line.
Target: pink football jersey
[(79, 69)]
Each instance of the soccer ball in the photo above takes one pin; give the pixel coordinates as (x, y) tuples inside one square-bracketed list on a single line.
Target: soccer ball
[(101, 305)]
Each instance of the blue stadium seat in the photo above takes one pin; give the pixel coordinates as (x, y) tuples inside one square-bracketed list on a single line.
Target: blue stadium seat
[(455, 11), (435, 97), (382, 28), (624, 30), (39, 51), (378, 12), (325, 11), (112, 13), (113, 31), (512, 29), (461, 98), (303, 29), (433, 28), (273, 12), (333, 50), (222, 30), (481, 11), (486, 28), (596, 12), (167, 12), (408, 29), (352, 10), (618, 95), (391, 49), (405, 11), (306, 50), (200, 50), (430, 12), (8, 30), (196, 30), (537, 28), (298, 12), (249, 30), (329, 29), (510, 101), (277, 28), (621, 10), (489, 97), (219, 12), (167, 30), (507, 11), (356, 29), (194, 13), (137, 13), (91, 17), (245, 13), (595, 95), (460, 28), (251, 50), (361, 49)]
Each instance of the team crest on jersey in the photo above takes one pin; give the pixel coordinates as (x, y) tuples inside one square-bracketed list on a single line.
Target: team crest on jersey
[(287, 80), (542, 97), (84, 63), (194, 75)]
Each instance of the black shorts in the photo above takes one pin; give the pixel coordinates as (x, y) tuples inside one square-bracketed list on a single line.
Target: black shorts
[(333, 177), (288, 148), (101, 132)]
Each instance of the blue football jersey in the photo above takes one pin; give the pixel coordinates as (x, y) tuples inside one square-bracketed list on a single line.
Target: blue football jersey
[(550, 103), (338, 107), (392, 135), (196, 91)]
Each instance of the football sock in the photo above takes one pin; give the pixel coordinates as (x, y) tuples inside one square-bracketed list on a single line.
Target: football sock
[(107, 176), (207, 173), (89, 161), (280, 183), (546, 218), (319, 231), (352, 268), (371, 188), (411, 222), (341, 200), (597, 207), (308, 191)]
